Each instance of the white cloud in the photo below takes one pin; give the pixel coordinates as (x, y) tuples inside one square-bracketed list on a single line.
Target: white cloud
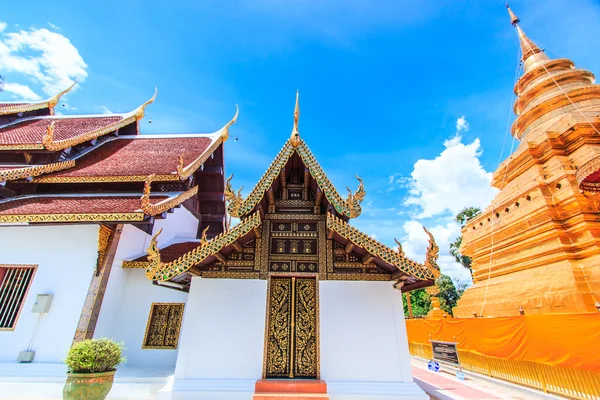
[(22, 92), (44, 59), (462, 125), (416, 241), (104, 110), (452, 181)]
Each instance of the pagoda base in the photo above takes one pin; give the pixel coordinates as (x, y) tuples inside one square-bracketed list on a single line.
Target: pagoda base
[(552, 288)]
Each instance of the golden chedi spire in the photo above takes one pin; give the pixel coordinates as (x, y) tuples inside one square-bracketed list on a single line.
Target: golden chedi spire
[(295, 137), (532, 54)]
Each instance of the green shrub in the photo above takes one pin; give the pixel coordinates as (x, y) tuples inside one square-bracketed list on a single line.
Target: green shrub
[(94, 355)]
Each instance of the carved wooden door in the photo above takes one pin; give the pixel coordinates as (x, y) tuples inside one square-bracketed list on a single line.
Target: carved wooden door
[(292, 342)]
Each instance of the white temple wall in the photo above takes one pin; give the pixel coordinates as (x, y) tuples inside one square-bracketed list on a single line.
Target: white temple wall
[(66, 258), (364, 348), (221, 345), (129, 294)]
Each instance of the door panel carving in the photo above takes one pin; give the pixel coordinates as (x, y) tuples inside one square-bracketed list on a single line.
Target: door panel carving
[(292, 341)]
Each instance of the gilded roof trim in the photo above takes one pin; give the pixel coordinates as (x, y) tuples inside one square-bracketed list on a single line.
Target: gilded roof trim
[(380, 250), (34, 170), (135, 264), (49, 144), (239, 207), (48, 103), (102, 179), (185, 172), (52, 218), (164, 205), (157, 270)]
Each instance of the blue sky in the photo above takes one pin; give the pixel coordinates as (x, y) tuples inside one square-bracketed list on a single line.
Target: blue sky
[(385, 86)]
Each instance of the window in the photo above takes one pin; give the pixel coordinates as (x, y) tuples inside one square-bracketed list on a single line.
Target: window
[(14, 284), (164, 324)]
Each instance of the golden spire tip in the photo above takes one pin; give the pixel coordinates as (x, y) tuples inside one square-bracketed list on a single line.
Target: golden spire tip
[(225, 130), (514, 20), (295, 137)]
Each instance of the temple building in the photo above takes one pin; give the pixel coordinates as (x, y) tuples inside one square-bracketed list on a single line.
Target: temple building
[(293, 291), (536, 248), (78, 194), (105, 232)]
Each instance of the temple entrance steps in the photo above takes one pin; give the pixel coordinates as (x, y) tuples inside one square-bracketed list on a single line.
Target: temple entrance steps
[(297, 389)]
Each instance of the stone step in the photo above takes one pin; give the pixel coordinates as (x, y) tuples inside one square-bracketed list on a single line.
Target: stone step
[(308, 386), (295, 396)]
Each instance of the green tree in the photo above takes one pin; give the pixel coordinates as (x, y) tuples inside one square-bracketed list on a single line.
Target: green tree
[(462, 218), (420, 303), (449, 293)]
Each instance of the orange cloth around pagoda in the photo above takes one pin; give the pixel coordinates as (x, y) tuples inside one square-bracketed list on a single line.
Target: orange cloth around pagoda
[(566, 340)]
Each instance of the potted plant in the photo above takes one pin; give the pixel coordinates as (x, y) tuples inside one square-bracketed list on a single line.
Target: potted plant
[(92, 365)]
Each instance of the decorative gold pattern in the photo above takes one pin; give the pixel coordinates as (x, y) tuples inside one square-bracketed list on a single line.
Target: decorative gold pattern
[(34, 170), (164, 325), (109, 217), (185, 172), (292, 337), (230, 275), (135, 264), (157, 270), (359, 277), (305, 328), (279, 334), (234, 201), (585, 171), (380, 250), (239, 207), (103, 179), (162, 206)]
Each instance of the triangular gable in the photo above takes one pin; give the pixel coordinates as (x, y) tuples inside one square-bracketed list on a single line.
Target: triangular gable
[(349, 207)]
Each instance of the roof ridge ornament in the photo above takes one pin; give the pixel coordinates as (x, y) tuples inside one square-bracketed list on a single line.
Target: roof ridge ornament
[(234, 200), (139, 112), (225, 130), (47, 139), (432, 255), (53, 101), (354, 199), (295, 136)]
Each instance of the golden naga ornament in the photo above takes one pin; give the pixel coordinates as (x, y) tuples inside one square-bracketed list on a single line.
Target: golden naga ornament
[(153, 252), (47, 139), (354, 199), (432, 255), (234, 201)]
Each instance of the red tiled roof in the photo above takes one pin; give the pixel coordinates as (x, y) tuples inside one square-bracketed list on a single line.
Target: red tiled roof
[(7, 106), (74, 205), (172, 252), (31, 131), (135, 157)]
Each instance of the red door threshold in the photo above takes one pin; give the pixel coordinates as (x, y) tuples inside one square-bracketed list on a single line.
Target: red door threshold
[(298, 389)]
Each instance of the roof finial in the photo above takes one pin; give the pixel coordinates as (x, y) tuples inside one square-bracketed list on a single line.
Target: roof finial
[(528, 48), (295, 137), (225, 130), (139, 112), (53, 101)]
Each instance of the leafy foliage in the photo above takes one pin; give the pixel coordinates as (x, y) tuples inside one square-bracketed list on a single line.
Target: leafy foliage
[(466, 214), (462, 218), (419, 301), (94, 355), (449, 295)]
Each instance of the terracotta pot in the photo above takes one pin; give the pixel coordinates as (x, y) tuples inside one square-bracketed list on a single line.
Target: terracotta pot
[(88, 386)]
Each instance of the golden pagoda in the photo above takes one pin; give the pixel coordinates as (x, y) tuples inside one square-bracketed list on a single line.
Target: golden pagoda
[(536, 248)]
